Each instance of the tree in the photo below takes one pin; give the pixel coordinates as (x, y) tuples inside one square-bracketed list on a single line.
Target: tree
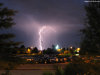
[(91, 33), (50, 51), (22, 46), (6, 21), (53, 47), (22, 49), (35, 50), (63, 49), (7, 45)]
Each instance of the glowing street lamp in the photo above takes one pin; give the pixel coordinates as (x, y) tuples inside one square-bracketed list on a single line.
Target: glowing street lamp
[(31, 47), (28, 50), (71, 47), (78, 49)]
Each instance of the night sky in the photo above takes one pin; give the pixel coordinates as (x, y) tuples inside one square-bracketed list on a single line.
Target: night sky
[(66, 17)]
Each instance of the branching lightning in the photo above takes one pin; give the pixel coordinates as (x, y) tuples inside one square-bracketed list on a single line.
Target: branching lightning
[(40, 35)]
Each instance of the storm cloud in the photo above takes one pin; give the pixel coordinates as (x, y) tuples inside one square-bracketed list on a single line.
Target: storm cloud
[(65, 16)]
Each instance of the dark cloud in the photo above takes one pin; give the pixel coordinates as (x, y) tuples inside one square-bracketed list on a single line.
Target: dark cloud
[(66, 15), (50, 10)]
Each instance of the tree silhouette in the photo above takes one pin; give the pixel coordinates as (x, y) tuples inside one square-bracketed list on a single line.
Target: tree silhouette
[(22, 46), (7, 45), (35, 50), (91, 33), (22, 49)]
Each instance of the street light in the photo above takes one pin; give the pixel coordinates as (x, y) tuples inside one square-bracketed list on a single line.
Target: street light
[(78, 49), (71, 47)]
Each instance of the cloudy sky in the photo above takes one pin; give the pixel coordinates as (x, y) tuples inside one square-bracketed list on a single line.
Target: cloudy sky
[(66, 17)]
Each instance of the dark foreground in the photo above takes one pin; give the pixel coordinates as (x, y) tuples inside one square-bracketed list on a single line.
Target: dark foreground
[(34, 69), (27, 72)]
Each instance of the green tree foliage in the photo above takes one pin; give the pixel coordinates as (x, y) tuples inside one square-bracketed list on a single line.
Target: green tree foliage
[(91, 33), (63, 49)]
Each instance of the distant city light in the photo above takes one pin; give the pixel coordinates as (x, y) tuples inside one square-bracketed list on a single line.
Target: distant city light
[(77, 54), (59, 50), (28, 50), (31, 47), (78, 49), (57, 47), (71, 47)]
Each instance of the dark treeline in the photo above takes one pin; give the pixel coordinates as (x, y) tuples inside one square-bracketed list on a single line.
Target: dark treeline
[(90, 43), (7, 45)]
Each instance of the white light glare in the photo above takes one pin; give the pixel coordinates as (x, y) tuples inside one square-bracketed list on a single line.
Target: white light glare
[(57, 47)]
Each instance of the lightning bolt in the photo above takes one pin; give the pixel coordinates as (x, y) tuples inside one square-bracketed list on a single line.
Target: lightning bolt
[(40, 35)]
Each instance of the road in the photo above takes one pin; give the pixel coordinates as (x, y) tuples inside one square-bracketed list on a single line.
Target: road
[(34, 69)]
